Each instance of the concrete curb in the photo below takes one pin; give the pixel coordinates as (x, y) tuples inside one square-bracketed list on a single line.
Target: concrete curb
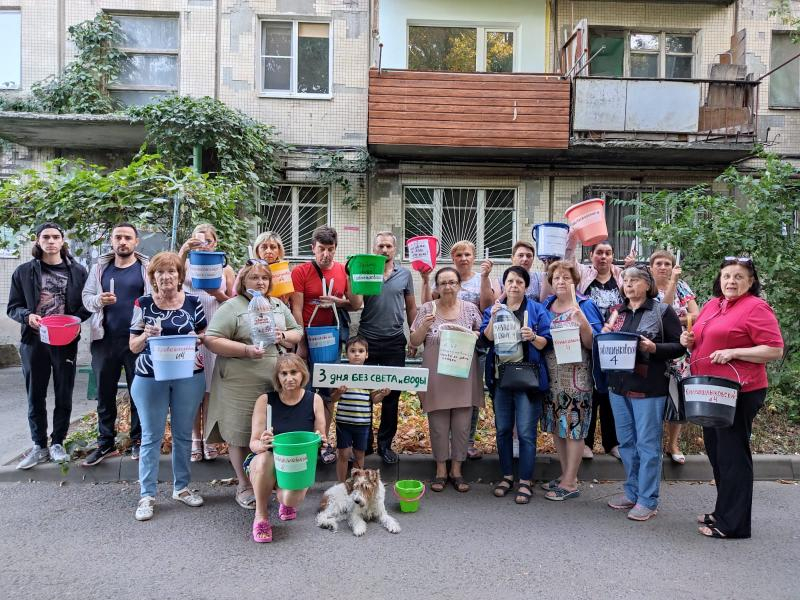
[(412, 466)]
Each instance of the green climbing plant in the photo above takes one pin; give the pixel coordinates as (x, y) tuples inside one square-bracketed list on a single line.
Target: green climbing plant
[(340, 169)]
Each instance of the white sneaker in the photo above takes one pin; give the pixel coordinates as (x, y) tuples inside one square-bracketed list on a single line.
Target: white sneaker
[(188, 497), (144, 510), (515, 447), (35, 456), (58, 453), (587, 453), (615, 453)]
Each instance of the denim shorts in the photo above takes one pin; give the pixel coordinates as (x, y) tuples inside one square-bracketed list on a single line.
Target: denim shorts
[(355, 436)]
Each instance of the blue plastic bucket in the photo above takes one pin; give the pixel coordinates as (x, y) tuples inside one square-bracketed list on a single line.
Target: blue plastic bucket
[(617, 351), (323, 344), (172, 356), (551, 240), (205, 269)]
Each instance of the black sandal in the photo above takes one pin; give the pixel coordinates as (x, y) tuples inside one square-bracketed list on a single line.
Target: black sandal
[(500, 490), (438, 483), (459, 484), (707, 519), (524, 493), (715, 533)]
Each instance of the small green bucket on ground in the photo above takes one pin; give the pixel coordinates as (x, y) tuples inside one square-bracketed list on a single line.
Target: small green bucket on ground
[(295, 455), (366, 274), (409, 492)]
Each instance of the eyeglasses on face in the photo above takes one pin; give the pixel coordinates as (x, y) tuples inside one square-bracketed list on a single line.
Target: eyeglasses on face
[(447, 284)]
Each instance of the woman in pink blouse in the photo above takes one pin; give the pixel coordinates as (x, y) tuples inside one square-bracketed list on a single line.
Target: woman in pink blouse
[(736, 328)]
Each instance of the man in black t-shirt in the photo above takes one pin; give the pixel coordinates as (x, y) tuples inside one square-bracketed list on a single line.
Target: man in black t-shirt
[(116, 281), (49, 284)]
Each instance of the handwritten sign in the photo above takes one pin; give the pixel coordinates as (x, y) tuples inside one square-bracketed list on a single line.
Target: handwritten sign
[(370, 377)]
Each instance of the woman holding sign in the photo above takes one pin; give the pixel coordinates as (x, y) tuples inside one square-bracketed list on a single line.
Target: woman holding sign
[(736, 332), (638, 398), (568, 406), (449, 400), (243, 370), (519, 330)]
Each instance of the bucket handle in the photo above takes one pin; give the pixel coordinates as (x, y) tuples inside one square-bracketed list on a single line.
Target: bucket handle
[(316, 308), (691, 362), (399, 497)]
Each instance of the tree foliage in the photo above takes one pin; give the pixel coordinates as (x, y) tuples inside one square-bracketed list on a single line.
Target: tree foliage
[(236, 146), (756, 217), (88, 200), (83, 86)]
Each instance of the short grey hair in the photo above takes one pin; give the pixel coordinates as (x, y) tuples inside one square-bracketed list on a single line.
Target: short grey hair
[(385, 234)]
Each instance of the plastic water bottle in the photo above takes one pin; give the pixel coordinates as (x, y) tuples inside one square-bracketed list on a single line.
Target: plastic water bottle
[(507, 336), (262, 321)]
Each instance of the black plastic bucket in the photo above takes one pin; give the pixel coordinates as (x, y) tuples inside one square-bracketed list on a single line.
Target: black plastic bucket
[(710, 401)]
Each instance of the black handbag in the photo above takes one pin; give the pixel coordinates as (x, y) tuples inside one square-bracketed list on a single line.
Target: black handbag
[(519, 377), (675, 410)]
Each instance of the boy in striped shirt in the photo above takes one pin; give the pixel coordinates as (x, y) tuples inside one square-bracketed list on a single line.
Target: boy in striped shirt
[(353, 413)]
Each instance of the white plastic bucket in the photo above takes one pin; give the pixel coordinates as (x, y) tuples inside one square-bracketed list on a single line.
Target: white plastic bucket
[(617, 351), (567, 344), (551, 239), (456, 351)]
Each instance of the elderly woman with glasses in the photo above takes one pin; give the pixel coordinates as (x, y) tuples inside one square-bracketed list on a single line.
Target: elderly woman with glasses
[(638, 399), (243, 370), (736, 332)]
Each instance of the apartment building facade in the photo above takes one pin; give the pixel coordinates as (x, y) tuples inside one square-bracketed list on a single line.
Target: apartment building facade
[(484, 118)]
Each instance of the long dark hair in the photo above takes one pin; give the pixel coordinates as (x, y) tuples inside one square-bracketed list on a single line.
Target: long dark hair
[(745, 262), (36, 250)]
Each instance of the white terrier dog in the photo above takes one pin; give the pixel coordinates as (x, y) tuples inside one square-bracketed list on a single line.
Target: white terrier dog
[(359, 499)]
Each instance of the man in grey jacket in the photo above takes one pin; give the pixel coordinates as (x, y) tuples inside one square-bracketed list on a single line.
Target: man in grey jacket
[(114, 284)]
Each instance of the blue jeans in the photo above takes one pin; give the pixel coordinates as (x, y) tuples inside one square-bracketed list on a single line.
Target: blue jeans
[(510, 408), (182, 398), (640, 425)]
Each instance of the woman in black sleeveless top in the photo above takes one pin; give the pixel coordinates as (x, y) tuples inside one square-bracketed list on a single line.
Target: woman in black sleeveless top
[(293, 409)]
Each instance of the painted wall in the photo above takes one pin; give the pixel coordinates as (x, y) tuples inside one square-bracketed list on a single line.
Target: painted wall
[(529, 16)]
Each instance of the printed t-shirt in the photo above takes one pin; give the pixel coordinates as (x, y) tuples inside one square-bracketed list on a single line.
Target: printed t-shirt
[(53, 298)]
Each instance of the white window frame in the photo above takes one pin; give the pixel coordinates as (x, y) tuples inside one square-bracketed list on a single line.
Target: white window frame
[(292, 92), (292, 247), (662, 48), (16, 11), (438, 194), (480, 41), (120, 87)]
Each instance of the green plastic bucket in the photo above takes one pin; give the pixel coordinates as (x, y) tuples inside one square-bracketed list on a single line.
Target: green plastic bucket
[(366, 274), (409, 492), (295, 455)]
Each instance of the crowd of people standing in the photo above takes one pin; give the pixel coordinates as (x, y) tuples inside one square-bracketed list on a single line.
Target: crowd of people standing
[(236, 382)]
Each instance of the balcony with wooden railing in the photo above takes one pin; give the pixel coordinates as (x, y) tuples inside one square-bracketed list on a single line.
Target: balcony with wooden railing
[(464, 115)]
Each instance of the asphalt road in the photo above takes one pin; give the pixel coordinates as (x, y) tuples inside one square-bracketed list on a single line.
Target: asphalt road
[(81, 541), (15, 436)]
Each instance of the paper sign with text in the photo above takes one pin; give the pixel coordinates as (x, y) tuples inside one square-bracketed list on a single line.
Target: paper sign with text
[(370, 377)]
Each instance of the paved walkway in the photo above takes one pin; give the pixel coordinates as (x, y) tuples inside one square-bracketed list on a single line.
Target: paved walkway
[(81, 541)]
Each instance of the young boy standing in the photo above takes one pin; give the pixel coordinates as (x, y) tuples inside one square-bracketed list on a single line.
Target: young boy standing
[(353, 413)]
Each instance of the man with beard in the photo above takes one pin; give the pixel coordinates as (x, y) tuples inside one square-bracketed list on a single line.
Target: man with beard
[(116, 281), (382, 326), (49, 284)]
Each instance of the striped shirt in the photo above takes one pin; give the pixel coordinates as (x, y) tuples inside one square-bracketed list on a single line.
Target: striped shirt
[(354, 408)]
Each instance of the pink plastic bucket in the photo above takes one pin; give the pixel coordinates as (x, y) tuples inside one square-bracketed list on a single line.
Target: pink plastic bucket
[(59, 330), (422, 251), (588, 220)]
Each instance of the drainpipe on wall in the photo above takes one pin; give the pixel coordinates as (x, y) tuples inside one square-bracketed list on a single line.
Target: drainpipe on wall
[(217, 10), (197, 159), (60, 38), (554, 63)]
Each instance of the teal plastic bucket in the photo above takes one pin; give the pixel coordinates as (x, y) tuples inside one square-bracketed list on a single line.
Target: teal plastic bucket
[(295, 456), (205, 269), (172, 356)]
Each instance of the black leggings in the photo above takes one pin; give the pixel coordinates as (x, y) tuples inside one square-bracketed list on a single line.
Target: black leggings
[(608, 429)]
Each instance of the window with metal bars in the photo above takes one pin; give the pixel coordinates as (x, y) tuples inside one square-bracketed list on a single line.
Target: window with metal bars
[(486, 217), (294, 212)]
